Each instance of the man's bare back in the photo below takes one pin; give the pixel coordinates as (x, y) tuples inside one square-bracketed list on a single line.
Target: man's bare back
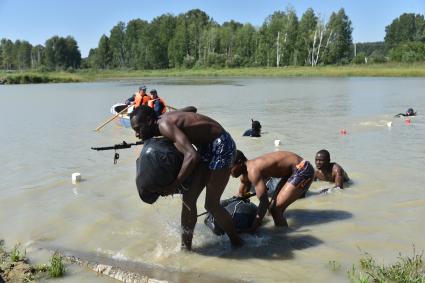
[(198, 128), (296, 173), (214, 154), (276, 164)]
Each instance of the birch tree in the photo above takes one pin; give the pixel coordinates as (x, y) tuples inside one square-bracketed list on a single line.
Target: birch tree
[(340, 41)]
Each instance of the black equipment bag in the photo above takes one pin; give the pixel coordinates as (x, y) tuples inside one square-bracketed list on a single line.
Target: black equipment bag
[(157, 166), (241, 210)]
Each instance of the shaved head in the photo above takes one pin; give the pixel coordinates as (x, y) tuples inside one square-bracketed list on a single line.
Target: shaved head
[(325, 154), (142, 120)]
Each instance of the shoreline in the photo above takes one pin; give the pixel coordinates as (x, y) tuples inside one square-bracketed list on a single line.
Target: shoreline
[(16, 266), (88, 75)]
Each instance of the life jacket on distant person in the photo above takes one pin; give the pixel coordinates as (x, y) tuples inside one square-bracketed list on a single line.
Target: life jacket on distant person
[(156, 103), (141, 99), (151, 104)]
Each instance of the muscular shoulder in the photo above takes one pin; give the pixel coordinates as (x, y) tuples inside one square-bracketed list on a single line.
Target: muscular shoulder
[(254, 170), (338, 170), (175, 117)]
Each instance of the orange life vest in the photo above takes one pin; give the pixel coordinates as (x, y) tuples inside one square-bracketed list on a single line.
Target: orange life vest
[(152, 101), (140, 99)]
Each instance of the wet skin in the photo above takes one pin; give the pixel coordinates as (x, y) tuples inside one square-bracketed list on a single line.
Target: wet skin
[(331, 172), (187, 129), (254, 172)]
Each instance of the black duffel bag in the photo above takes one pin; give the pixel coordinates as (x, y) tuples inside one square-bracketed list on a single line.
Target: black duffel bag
[(157, 167), (241, 210)]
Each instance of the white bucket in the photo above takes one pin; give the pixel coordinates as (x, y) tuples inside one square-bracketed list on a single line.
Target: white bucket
[(277, 143), (76, 177)]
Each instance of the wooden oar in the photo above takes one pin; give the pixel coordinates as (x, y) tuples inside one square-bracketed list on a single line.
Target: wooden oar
[(112, 118), (122, 111)]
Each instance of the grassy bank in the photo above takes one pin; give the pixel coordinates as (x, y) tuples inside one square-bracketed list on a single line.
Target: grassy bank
[(26, 77), (407, 269), (16, 267), (378, 70)]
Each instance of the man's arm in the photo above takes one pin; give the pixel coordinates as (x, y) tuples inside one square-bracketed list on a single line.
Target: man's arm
[(244, 187), (339, 176), (261, 191), (182, 143), (130, 100)]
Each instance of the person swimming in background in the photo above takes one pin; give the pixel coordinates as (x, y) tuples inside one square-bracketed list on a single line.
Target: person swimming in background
[(409, 112), (255, 130), (329, 171)]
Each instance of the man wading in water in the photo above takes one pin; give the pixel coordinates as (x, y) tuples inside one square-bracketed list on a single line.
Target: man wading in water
[(329, 171), (296, 173), (215, 154)]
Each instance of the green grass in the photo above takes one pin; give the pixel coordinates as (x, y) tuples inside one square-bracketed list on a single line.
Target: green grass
[(405, 269), (38, 77), (377, 70), (16, 254), (88, 75), (56, 267), (19, 266)]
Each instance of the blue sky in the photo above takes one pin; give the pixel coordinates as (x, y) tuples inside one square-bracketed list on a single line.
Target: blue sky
[(86, 20)]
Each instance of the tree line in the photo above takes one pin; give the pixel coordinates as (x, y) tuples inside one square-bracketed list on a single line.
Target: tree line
[(404, 42), (58, 53), (193, 39)]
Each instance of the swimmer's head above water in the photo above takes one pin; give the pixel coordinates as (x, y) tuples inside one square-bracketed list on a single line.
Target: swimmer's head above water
[(410, 112), (323, 158), (256, 128)]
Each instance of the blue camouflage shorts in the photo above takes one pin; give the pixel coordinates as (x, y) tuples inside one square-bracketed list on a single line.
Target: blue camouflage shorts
[(302, 175), (220, 153)]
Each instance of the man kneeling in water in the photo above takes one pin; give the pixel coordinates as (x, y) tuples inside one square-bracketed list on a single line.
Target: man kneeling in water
[(296, 173), (214, 155), (329, 171)]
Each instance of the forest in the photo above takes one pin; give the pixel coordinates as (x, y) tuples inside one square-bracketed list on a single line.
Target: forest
[(194, 40)]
